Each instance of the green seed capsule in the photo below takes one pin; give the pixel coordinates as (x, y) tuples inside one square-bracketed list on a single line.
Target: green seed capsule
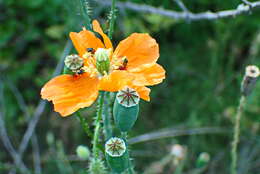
[(116, 154), (126, 108)]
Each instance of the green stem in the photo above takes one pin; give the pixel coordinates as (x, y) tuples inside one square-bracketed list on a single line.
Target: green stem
[(236, 135), (130, 165), (107, 117), (98, 124), (84, 124), (179, 168), (112, 19), (84, 12)]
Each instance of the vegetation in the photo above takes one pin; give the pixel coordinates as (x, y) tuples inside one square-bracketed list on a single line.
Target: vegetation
[(195, 106)]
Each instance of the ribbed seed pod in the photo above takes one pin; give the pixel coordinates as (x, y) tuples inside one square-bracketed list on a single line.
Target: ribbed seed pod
[(116, 154), (126, 108)]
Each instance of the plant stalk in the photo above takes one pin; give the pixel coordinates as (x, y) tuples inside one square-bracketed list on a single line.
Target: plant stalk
[(236, 134), (98, 124), (130, 165), (84, 12), (84, 124), (112, 19), (107, 117)]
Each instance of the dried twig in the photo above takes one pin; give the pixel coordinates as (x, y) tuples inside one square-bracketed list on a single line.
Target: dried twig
[(184, 8), (36, 155), (241, 9), (24, 108), (173, 132), (41, 106), (7, 142), (181, 5)]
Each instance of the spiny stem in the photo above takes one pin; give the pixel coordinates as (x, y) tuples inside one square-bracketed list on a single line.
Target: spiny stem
[(84, 124), (84, 12), (236, 135), (130, 165), (107, 117), (98, 124), (112, 19)]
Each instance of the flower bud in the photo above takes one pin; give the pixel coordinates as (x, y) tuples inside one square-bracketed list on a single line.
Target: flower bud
[(83, 152), (73, 62), (50, 138), (102, 60), (203, 159), (249, 80), (179, 153), (116, 154), (126, 108)]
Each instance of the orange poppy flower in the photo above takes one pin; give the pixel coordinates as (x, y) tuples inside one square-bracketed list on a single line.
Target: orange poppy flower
[(132, 64)]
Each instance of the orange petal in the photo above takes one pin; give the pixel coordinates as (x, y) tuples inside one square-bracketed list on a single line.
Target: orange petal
[(115, 81), (85, 39), (140, 49), (70, 93), (149, 76), (97, 28), (143, 92)]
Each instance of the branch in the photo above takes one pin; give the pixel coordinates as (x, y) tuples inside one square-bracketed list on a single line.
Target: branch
[(7, 142), (241, 9), (173, 132), (41, 106), (181, 5), (22, 105)]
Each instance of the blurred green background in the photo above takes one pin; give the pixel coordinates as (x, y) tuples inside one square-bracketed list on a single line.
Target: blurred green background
[(204, 60)]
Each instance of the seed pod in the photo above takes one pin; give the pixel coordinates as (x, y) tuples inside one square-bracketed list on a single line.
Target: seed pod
[(73, 62), (116, 154), (249, 80), (126, 108)]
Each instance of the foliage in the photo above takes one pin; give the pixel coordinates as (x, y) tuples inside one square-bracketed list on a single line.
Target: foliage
[(204, 60)]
